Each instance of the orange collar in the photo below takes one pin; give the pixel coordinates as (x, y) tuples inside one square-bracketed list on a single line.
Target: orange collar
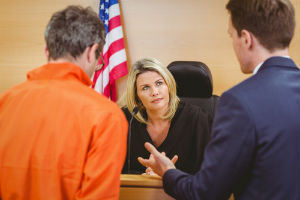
[(64, 70)]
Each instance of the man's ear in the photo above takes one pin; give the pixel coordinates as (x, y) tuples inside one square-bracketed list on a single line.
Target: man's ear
[(92, 52), (247, 39), (47, 53)]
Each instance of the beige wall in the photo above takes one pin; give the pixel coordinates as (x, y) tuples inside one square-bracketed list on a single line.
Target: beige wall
[(165, 29), (22, 26)]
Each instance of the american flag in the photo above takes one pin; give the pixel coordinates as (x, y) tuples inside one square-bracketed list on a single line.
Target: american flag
[(113, 52)]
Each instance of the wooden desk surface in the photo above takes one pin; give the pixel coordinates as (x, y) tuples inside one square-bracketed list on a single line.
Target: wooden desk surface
[(130, 180), (142, 187)]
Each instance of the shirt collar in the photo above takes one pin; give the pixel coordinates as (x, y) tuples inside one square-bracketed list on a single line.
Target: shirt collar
[(59, 71), (257, 67)]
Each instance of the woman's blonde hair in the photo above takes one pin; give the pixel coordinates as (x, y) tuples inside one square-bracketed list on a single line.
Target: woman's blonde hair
[(131, 98)]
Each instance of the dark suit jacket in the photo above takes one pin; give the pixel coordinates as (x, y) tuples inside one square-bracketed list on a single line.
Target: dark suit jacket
[(255, 146)]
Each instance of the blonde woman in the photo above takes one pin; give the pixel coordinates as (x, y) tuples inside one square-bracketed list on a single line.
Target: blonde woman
[(172, 126)]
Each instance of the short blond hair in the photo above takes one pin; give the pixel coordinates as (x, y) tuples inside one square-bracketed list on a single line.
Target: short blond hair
[(131, 98)]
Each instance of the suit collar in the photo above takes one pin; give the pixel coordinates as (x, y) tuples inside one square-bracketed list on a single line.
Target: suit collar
[(277, 61)]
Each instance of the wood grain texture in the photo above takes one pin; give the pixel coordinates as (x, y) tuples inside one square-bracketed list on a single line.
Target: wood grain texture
[(143, 187), (168, 30), (130, 180)]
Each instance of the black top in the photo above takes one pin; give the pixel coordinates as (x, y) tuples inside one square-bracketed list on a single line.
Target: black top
[(187, 137)]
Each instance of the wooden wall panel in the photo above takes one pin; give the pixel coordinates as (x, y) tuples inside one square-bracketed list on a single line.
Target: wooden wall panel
[(172, 30), (22, 26), (168, 30)]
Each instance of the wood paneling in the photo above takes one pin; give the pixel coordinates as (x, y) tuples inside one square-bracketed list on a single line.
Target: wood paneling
[(22, 26), (172, 30), (168, 30)]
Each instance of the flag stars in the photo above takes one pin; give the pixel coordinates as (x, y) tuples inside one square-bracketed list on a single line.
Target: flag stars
[(106, 11), (102, 6)]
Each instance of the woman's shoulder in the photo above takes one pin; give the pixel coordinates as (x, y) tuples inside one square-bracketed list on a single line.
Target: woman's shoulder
[(189, 108), (126, 112), (190, 112)]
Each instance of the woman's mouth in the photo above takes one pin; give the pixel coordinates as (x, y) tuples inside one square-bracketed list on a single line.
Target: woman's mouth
[(157, 100)]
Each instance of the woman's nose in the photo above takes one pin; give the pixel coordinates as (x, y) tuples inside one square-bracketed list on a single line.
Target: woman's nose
[(154, 91)]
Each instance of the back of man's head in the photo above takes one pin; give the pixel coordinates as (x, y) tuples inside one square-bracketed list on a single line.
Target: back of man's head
[(271, 21), (70, 31)]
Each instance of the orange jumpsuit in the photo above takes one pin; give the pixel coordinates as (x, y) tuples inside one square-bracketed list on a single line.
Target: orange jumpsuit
[(59, 139)]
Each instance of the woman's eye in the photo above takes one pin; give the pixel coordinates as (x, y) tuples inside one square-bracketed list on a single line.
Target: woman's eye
[(145, 88), (159, 83)]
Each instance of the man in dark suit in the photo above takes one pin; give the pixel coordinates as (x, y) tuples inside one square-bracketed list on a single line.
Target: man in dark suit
[(255, 146)]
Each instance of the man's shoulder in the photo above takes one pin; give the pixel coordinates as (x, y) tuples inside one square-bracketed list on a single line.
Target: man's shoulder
[(84, 99), (244, 94), (99, 101), (243, 87), (15, 92)]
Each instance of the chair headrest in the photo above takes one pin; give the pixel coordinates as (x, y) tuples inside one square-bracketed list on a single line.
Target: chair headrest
[(193, 79)]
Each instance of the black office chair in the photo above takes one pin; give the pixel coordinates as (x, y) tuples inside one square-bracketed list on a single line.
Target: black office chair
[(194, 84)]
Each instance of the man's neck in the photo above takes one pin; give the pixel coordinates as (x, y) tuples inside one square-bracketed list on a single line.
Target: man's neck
[(264, 54), (60, 60)]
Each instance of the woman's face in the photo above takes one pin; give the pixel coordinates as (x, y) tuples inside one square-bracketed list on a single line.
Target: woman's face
[(152, 91)]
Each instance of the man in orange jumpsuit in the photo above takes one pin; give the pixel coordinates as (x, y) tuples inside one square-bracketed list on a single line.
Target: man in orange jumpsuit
[(59, 138)]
